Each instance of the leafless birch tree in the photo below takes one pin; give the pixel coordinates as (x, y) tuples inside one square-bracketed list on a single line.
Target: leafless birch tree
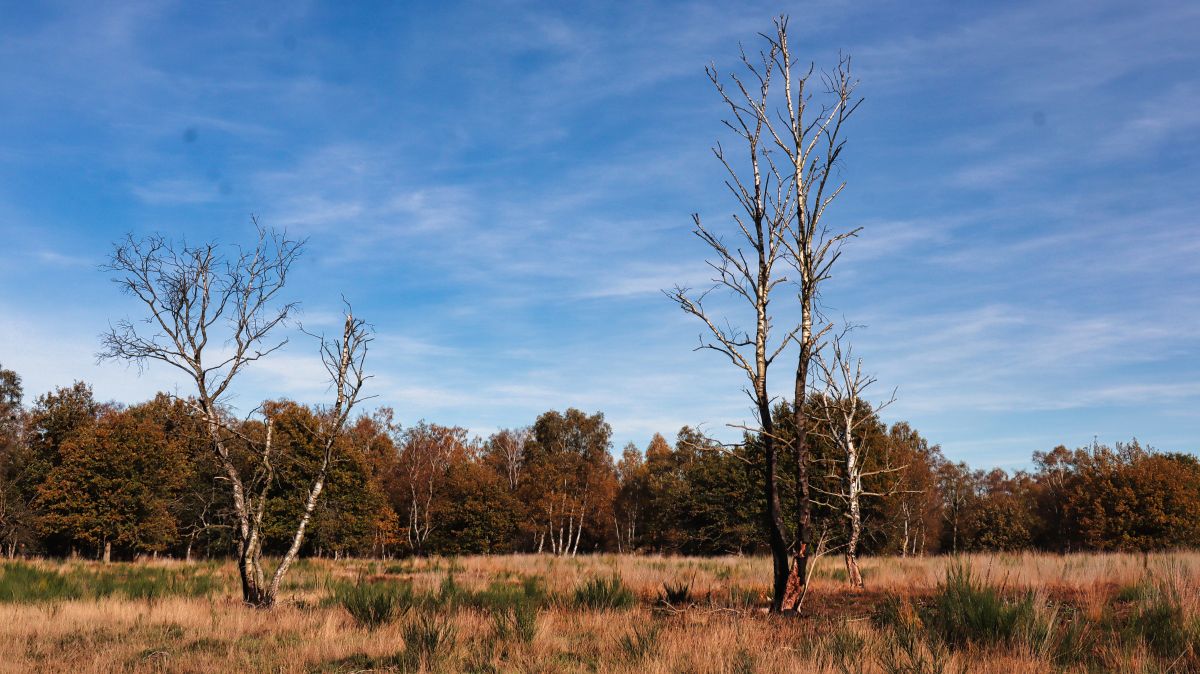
[(792, 147), (810, 136), (842, 413), (749, 269), (211, 317)]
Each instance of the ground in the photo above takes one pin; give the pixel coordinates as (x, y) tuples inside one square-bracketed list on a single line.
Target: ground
[(608, 613)]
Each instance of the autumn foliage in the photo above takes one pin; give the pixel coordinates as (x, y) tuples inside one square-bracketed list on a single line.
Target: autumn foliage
[(78, 476)]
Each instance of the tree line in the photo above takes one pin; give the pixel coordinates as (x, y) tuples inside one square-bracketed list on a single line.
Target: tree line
[(79, 476)]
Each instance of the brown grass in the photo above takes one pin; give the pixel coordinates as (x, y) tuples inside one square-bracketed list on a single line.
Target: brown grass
[(723, 630)]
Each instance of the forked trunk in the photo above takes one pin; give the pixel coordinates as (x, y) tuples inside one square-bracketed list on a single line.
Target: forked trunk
[(254, 590), (774, 513)]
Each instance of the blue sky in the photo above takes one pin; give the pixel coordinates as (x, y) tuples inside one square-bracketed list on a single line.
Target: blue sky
[(502, 189)]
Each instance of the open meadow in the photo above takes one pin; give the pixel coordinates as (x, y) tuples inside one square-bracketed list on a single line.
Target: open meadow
[(608, 613)]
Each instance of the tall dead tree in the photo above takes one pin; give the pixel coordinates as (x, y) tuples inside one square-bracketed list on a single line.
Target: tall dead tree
[(793, 150), (748, 268), (842, 413), (809, 134), (211, 317)]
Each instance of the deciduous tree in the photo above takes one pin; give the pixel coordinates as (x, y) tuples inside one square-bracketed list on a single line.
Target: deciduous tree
[(427, 452), (570, 480), (785, 183), (211, 317)]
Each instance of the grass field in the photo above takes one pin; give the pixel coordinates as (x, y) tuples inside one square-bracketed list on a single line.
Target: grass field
[(993, 613)]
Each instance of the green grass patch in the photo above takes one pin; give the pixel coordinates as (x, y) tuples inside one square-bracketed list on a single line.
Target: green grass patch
[(373, 605), (518, 620), (429, 639), (25, 583), (600, 594), (967, 611)]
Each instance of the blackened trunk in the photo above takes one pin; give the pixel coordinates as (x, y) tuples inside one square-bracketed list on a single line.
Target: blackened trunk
[(774, 512), (797, 578)]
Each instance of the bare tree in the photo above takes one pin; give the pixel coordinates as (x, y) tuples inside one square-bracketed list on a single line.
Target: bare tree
[(210, 317), (810, 136), (793, 147), (749, 270), (842, 413)]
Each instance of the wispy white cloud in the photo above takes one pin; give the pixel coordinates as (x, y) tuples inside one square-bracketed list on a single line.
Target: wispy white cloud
[(1022, 173), (176, 191)]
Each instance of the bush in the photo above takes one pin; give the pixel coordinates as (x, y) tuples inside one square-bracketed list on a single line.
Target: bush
[(599, 594), (374, 604), (1160, 623), (966, 611), (519, 619), (678, 593), (642, 643), (428, 639)]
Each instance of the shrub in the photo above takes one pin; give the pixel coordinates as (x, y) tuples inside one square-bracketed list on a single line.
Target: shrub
[(1160, 623), (642, 643), (599, 594), (966, 611), (518, 620), (374, 604), (676, 594), (848, 649), (428, 639)]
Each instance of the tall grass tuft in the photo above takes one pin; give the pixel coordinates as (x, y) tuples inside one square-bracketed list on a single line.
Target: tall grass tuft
[(25, 583), (598, 594), (911, 648), (429, 639), (642, 643), (967, 611), (1160, 623), (373, 605), (519, 620), (848, 650), (450, 594), (678, 593)]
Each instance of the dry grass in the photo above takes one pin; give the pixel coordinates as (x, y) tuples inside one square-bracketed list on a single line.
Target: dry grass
[(1106, 602)]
